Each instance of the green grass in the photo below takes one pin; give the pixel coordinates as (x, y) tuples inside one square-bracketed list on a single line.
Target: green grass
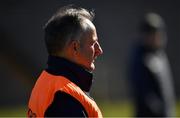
[(109, 109), (123, 109), (178, 109), (19, 111), (116, 109)]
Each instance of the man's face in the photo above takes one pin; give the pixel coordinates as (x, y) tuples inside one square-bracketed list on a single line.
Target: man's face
[(155, 40), (89, 48)]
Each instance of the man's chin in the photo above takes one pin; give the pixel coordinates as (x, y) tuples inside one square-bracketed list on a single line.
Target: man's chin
[(89, 68), (92, 67)]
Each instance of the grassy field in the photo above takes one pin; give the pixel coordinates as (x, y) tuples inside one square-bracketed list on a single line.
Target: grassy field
[(19, 111), (123, 109), (109, 109)]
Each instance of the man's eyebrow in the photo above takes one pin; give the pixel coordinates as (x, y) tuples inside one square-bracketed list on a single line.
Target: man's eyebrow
[(96, 39)]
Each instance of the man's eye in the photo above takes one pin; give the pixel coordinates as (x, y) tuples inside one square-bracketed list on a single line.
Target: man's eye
[(94, 43)]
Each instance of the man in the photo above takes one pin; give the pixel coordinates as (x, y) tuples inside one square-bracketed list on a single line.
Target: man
[(150, 71), (62, 89)]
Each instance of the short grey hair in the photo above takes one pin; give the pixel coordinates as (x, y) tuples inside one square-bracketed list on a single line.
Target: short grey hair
[(65, 25)]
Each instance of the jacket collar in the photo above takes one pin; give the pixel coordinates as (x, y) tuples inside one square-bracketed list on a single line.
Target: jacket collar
[(72, 71)]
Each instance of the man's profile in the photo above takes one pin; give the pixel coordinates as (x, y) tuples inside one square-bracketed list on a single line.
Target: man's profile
[(73, 47)]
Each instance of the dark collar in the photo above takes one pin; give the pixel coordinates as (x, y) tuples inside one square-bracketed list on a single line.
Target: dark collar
[(70, 70)]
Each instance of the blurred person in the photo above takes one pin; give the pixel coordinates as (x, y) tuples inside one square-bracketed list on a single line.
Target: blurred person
[(62, 90), (150, 74)]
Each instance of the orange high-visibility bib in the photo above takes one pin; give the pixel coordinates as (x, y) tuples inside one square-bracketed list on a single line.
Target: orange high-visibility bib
[(43, 94)]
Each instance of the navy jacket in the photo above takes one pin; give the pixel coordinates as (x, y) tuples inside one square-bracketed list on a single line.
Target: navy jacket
[(151, 82)]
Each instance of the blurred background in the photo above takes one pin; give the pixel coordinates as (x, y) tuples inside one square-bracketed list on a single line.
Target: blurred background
[(23, 54)]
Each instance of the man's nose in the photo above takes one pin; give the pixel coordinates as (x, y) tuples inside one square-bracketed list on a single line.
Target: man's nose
[(99, 50)]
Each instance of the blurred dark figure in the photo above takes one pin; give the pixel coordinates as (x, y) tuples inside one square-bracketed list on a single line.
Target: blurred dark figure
[(150, 74)]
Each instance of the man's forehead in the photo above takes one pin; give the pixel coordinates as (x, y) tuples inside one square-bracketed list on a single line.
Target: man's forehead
[(88, 25), (90, 35), (89, 30)]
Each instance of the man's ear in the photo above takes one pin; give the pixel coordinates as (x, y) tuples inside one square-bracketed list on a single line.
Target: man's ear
[(71, 50), (75, 46)]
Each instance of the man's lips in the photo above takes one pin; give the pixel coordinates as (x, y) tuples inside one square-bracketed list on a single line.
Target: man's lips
[(94, 60)]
